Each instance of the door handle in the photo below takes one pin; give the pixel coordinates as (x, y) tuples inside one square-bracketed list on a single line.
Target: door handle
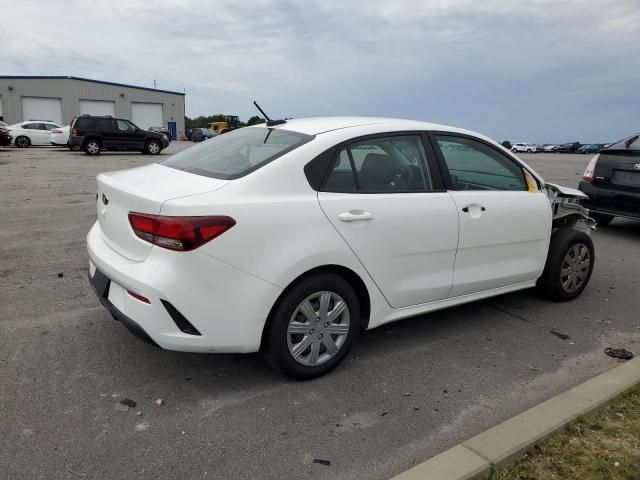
[(466, 209), (355, 215)]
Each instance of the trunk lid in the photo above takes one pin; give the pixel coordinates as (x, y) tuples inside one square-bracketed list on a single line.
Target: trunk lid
[(142, 190), (618, 171)]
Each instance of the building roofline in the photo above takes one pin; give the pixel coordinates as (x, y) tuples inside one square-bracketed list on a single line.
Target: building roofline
[(62, 77)]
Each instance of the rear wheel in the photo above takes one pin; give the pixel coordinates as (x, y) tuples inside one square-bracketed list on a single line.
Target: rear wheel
[(313, 327), (22, 141), (569, 265), (153, 147), (602, 219), (92, 147)]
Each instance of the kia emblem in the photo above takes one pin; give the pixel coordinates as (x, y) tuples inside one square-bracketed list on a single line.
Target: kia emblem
[(105, 199)]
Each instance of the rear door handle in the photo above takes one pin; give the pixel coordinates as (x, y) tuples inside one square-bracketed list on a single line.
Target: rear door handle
[(466, 209), (355, 215)]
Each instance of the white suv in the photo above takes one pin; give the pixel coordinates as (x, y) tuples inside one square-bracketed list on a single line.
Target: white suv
[(524, 148), (32, 132)]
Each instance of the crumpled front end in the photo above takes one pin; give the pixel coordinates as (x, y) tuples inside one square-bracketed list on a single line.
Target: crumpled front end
[(567, 209)]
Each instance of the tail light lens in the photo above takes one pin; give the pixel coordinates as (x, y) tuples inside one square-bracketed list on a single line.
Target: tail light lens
[(74, 132), (588, 173), (179, 233), (56, 131)]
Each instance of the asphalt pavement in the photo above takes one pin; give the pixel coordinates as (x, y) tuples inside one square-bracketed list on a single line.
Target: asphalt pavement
[(408, 391)]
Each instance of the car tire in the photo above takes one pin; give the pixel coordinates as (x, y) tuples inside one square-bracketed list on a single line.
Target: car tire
[(602, 219), (92, 147), (514, 150), (22, 142), (566, 274), (153, 147), (296, 344), (74, 148), (528, 150)]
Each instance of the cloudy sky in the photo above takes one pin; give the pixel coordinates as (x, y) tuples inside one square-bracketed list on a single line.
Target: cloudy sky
[(539, 71)]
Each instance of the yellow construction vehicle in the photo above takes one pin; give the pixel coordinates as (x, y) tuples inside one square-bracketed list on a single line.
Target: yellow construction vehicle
[(230, 123)]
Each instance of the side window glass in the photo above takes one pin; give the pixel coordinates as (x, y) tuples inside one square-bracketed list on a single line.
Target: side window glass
[(341, 178), (49, 126), (105, 125), (392, 164), (475, 166), (125, 126)]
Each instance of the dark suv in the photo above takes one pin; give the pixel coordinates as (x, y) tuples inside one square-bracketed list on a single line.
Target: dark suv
[(94, 134), (612, 181)]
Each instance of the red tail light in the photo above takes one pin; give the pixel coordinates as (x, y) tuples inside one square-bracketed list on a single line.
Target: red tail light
[(179, 233), (74, 132), (56, 131)]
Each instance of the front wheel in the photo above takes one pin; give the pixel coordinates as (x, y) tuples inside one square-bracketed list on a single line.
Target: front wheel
[(569, 265), (22, 141), (153, 147), (313, 327)]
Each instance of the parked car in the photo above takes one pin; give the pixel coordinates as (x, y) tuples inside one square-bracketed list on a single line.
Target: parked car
[(32, 132), (202, 134), (5, 136), (612, 181), (549, 148), (292, 237), (568, 147), (524, 148), (96, 133), (59, 137), (588, 148), (161, 130)]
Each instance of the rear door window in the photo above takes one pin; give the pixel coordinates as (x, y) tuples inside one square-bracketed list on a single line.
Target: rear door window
[(381, 165), (236, 153)]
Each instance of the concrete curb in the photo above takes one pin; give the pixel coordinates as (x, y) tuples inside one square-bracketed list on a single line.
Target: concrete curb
[(502, 444)]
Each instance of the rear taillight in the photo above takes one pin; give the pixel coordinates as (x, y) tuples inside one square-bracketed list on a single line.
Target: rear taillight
[(588, 173), (56, 131), (179, 233), (74, 132)]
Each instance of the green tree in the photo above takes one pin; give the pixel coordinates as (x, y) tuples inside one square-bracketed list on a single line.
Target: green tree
[(255, 120)]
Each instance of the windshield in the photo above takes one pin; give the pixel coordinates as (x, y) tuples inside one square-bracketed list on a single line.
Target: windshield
[(236, 153)]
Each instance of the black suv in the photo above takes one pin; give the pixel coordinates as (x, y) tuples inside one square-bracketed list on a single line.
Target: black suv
[(612, 181), (94, 134)]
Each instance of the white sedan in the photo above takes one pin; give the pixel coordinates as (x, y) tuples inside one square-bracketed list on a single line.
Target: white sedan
[(59, 137), (292, 237), (32, 132)]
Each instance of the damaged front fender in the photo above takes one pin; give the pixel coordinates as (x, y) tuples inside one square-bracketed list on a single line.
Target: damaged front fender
[(566, 208)]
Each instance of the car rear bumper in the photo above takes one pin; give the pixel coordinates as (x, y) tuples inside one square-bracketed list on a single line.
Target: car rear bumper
[(6, 141), (228, 307), (75, 141), (619, 203)]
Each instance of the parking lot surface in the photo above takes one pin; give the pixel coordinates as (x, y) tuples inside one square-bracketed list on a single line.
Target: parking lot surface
[(408, 391)]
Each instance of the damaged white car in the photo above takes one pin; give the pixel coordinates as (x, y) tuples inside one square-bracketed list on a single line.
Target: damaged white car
[(292, 237)]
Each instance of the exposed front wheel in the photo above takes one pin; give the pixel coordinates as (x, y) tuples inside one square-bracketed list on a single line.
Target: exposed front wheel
[(602, 219), (92, 147), (569, 265), (22, 141), (153, 147), (313, 327)]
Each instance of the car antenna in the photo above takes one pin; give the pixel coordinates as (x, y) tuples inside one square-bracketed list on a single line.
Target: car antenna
[(270, 123)]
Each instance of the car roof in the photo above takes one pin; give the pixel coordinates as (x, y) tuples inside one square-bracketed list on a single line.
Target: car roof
[(319, 125)]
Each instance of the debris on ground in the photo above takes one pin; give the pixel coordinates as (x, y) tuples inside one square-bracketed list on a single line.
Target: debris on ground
[(308, 459), (416, 408), (619, 353), (74, 473), (322, 461), (384, 413), (159, 401), (406, 394), (60, 275), (128, 402), (139, 413), (561, 336), (121, 407)]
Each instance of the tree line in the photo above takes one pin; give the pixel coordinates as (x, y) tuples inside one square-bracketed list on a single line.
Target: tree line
[(202, 121)]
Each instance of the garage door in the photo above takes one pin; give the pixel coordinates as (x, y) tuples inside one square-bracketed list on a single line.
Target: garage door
[(97, 107), (146, 115), (39, 108)]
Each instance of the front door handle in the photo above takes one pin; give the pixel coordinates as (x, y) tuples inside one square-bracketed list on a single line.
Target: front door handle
[(474, 210), (355, 215)]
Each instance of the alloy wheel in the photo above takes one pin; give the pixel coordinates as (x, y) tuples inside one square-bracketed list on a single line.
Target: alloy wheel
[(153, 148), (318, 328), (575, 267), (93, 147)]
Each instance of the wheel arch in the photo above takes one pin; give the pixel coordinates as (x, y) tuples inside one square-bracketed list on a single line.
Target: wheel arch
[(349, 275)]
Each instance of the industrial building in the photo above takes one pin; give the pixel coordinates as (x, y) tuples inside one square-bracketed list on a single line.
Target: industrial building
[(59, 99)]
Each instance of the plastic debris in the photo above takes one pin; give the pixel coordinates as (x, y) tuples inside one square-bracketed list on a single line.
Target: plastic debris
[(561, 336), (121, 407), (619, 353), (60, 275), (128, 402), (159, 401), (406, 394), (322, 461)]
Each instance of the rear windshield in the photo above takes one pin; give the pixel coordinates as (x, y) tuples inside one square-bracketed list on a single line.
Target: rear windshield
[(235, 154)]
